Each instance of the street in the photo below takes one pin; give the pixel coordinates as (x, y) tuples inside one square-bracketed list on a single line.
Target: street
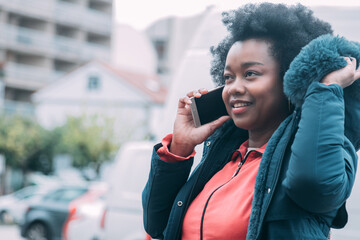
[(10, 232)]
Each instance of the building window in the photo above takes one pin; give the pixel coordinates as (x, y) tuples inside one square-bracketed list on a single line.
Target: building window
[(93, 83), (160, 47)]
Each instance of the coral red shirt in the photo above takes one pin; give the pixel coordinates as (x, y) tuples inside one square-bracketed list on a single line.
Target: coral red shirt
[(222, 209)]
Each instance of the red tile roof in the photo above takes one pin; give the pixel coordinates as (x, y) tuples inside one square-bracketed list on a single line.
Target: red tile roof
[(148, 84)]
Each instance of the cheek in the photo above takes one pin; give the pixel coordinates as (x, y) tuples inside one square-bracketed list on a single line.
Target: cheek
[(225, 97), (224, 94), (275, 99)]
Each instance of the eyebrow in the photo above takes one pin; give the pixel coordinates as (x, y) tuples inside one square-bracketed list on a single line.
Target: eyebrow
[(246, 64)]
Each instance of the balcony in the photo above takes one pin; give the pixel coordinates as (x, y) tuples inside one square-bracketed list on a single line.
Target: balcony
[(98, 22), (19, 38), (21, 108), (67, 48), (76, 15), (66, 13), (95, 51), (69, 13), (36, 8), (30, 77), (26, 40)]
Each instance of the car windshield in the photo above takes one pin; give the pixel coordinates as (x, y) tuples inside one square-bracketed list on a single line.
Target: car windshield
[(25, 192), (65, 195)]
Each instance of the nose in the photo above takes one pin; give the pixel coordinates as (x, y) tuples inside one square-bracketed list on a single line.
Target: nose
[(237, 87)]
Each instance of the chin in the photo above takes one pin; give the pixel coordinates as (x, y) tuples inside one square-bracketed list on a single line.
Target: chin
[(241, 124)]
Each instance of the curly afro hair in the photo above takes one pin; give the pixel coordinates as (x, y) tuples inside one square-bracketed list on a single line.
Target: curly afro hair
[(287, 28)]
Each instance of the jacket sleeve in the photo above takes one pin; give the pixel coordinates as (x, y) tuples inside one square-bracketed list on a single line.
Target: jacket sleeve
[(323, 162), (165, 180)]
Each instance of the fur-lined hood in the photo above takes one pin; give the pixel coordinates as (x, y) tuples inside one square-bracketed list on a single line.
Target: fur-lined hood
[(317, 59)]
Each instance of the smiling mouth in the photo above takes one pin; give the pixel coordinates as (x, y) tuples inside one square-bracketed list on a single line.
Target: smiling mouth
[(242, 104)]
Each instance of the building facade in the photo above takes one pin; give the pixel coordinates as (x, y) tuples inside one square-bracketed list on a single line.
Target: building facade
[(41, 40), (133, 101)]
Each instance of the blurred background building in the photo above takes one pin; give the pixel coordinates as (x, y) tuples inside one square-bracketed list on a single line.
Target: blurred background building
[(134, 100), (42, 40)]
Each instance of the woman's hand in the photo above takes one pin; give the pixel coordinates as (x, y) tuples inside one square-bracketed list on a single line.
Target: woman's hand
[(344, 76), (185, 135)]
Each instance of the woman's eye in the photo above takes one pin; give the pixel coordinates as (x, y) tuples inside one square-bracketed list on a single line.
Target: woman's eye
[(251, 74), (227, 78)]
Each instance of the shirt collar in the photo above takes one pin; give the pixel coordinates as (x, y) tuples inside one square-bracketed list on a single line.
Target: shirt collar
[(243, 148)]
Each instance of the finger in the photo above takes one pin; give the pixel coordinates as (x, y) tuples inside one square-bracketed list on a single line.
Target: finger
[(184, 101), (181, 103), (357, 74), (217, 123), (187, 100), (197, 94), (356, 70), (194, 93), (348, 60), (353, 62), (190, 94), (220, 121), (203, 91)]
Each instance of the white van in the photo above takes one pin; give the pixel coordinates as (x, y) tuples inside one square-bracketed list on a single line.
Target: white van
[(122, 218)]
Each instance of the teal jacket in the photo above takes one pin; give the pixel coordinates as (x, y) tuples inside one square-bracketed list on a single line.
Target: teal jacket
[(306, 174)]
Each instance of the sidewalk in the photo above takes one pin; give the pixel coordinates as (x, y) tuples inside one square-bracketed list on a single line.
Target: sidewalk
[(10, 232)]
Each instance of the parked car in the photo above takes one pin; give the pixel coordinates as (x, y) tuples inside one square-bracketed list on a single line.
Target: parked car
[(122, 217), (83, 222), (45, 219), (14, 205)]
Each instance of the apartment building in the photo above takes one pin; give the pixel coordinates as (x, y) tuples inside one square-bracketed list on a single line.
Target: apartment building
[(173, 37), (40, 40)]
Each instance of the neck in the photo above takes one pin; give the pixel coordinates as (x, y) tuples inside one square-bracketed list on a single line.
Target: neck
[(258, 137), (257, 140)]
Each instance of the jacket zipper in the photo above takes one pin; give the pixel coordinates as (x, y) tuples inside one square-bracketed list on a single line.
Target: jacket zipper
[(195, 183), (241, 163), (203, 214)]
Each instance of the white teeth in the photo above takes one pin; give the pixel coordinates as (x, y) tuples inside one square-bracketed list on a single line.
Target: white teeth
[(238, 105)]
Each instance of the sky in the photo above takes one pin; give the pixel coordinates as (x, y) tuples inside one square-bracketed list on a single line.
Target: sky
[(141, 13)]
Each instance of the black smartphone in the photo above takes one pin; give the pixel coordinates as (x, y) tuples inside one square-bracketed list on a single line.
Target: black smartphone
[(208, 107)]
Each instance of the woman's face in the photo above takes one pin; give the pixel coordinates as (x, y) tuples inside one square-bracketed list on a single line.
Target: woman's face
[(253, 92)]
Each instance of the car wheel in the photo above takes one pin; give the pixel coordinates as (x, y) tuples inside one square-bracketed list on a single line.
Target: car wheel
[(5, 217), (37, 231)]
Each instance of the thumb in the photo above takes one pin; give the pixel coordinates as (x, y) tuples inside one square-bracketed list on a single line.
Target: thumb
[(217, 123)]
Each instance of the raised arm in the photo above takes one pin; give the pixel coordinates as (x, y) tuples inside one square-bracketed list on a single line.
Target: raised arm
[(323, 162)]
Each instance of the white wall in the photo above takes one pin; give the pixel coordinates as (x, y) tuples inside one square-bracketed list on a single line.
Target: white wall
[(116, 99), (132, 50)]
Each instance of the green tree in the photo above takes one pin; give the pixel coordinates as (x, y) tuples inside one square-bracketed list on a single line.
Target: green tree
[(22, 141), (90, 140)]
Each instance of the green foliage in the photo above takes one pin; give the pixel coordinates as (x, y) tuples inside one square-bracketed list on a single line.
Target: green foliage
[(21, 140), (89, 140), (26, 145)]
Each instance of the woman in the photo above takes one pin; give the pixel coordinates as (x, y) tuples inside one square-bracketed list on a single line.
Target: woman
[(267, 172)]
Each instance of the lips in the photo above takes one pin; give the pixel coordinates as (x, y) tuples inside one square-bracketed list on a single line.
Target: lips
[(239, 103), (239, 106)]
